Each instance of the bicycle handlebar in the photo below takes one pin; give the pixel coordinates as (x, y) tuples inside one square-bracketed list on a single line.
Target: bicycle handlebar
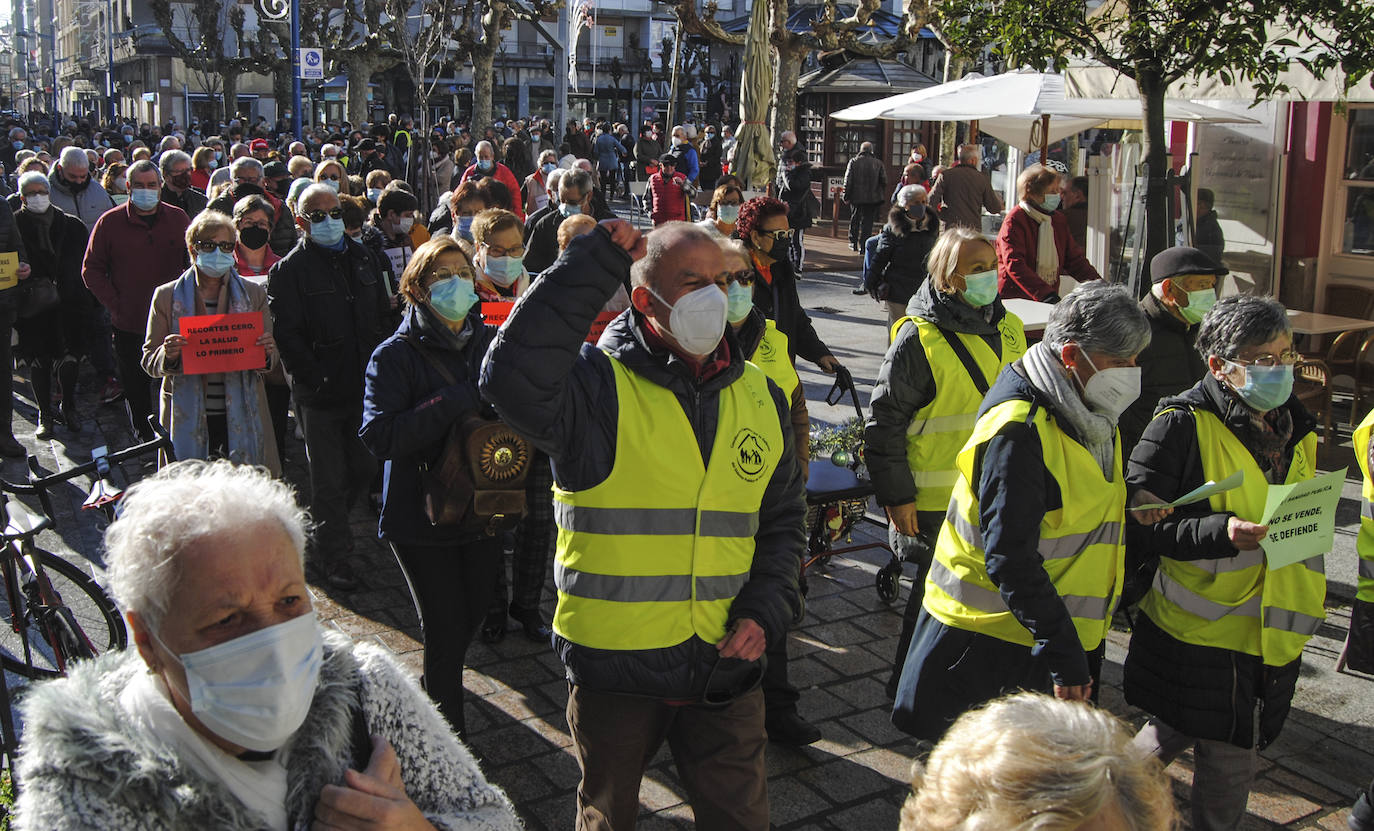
[(40, 484)]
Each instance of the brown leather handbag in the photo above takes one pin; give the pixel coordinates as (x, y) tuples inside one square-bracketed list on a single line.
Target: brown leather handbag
[(477, 482)]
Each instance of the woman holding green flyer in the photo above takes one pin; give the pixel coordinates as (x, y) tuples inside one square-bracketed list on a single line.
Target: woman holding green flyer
[(1220, 633)]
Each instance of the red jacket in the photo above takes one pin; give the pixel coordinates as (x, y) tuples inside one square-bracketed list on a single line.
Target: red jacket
[(669, 201), (1017, 247), (127, 258), (505, 177)]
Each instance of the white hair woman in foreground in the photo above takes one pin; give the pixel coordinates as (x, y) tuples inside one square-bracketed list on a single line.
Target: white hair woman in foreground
[(234, 710), (1029, 762)]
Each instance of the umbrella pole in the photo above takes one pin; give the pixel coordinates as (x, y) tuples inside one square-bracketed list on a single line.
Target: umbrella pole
[(973, 131), (1045, 139)]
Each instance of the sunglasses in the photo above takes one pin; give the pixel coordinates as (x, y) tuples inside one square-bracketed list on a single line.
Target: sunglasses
[(744, 277), (319, 216), (329, 178), (205, 246)]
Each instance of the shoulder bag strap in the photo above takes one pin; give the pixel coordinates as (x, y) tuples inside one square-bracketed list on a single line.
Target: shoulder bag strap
[(431, 357), (975, 372)]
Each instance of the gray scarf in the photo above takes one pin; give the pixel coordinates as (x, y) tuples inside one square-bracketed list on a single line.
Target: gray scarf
[(1050, 377)]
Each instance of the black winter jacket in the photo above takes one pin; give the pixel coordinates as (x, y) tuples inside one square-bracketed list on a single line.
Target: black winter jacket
[(550, 386), (11, 240), (408, 408), (906, 384), (1202, 691), (1168, 366), (796, 186), (899, 261), (329, 311), (1015, 490), (780, 303), (67, 237)]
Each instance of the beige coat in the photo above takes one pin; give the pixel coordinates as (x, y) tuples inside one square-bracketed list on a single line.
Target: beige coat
[(155, 361)]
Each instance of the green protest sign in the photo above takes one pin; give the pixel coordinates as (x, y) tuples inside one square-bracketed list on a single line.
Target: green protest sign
[(1301, 519)]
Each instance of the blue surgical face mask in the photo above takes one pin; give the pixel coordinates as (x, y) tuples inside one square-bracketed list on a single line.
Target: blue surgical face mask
[(548, 168), (534, 137), (17, 145), (740, 302), (504, 271), (485, 165), (327, 232), (374, 194), (1265, 387), (215, 263), (980, 288), (1051, 201), (452, 298), (567, 209), (331, 184), (219, 154), (464, 227), (145, 199), (727, 213)]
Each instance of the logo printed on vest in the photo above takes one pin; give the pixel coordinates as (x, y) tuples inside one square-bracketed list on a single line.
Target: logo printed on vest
[(765, 349), (1008, 336), (751, 451)]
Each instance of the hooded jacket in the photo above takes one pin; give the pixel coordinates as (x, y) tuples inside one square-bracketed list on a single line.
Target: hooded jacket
[(906, 384), (85, 765), (87, 204), (561, 394), (899, 261)]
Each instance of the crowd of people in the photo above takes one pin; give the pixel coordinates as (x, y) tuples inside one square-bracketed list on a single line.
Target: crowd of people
[(1021, 477)]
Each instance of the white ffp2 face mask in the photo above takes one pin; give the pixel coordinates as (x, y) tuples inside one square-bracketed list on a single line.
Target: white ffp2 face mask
[(1110, 391), (697, 320), (255, 690)]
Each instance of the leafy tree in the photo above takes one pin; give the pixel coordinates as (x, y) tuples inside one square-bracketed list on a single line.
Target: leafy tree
[(1158, 42), (478, 28), (208, 35)]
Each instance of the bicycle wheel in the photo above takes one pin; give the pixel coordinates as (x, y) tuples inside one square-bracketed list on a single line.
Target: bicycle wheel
[(92, 612)]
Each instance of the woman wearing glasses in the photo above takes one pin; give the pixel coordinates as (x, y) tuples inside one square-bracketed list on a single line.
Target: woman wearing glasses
[(499, 239), (409, 406), (220, 414), (1220, 632), (331, 174), (762, 225)]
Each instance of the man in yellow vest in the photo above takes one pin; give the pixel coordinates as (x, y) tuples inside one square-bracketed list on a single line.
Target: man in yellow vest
[(679, 505), (1359, 646), (1220, 634)]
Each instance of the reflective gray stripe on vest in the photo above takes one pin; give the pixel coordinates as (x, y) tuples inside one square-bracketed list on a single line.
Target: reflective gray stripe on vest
[(935, 478), (985, 600), (729, 524), (1226, 565), (1051, 548), (649, 521), (723, 587), (1291, 621), (1367, 569), (942, 424), (1084, 606), (1366, 509), (622, 589), (1193, 603)]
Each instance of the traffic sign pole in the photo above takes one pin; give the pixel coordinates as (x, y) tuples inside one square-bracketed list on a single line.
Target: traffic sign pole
[(296, 69)]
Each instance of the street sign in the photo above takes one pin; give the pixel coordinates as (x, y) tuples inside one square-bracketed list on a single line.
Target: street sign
[(312, 64)]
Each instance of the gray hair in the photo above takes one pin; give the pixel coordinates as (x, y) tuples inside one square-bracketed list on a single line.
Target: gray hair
[(251, 203), (15, 131), (170, 158), (969, 152), (244, 162), (74, 158), (549, 155), (1239, 321), (659, 245), (866, 147), (169, 143), (142, 166), (484, 144), (554, 179), (165, 514), (1099, 317), (908, 194), (308, 195), (34, 177), (575, 179)]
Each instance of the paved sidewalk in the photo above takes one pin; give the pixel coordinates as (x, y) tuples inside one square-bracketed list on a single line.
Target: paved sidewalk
[(856, 776)]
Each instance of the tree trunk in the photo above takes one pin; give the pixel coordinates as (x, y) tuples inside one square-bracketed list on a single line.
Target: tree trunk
[(947, 154), (483, 59), (231, 93), (1152, 87), (674, 113), (786, 72), (358, 70)]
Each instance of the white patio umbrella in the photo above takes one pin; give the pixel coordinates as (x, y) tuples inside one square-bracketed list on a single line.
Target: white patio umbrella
[(1023, 108)]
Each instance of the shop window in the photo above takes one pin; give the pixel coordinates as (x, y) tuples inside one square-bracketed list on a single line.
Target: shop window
[(848, 138), (1357, 233), (905, 135), (811, 125)]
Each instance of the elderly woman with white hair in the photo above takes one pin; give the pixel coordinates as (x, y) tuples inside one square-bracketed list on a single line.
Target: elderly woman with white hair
[(235, 710), (897, 266), (1028, 762), (1030, 560), (1221, 633)]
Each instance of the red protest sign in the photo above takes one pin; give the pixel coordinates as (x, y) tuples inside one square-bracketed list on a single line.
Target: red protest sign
[(599, 325), (222, 343), (495, 313)]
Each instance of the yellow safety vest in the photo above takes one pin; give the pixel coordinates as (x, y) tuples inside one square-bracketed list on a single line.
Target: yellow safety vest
[(939, 429), (772, 357), (1365, 542), (1081, 543), (657, 552), (1237, 603)]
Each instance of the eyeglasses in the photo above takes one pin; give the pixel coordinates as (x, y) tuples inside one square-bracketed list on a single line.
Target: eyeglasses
[(205, 246), (319, 216), (744, 277), (445, 274), (780, 234), (498, 251), (329, 178), (1287, 358)]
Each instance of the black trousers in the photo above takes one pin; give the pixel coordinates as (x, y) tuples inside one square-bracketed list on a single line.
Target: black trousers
[(278, 403), (533, 544), (7, 317), (450, 585), (341, 470), (861, 220), (919, 550), (138, 387)]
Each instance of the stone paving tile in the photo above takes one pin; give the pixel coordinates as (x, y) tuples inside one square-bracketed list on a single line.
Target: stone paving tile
[(843, 781), (790, 801)]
